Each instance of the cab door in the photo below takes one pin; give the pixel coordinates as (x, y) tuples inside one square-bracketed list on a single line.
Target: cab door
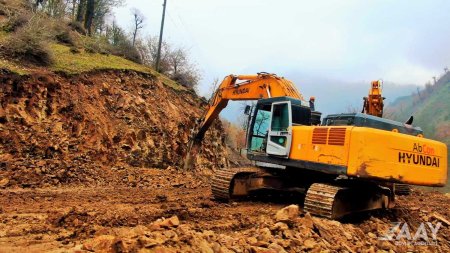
[(280, 131)]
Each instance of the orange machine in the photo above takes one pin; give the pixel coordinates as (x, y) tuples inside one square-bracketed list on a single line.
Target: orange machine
[(373, 104), (348, 163)]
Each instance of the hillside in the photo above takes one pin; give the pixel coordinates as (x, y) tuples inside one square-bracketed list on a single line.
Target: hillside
[(430, 108)]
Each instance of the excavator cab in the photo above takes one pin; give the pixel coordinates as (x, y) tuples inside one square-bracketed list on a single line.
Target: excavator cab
[(270, 130)]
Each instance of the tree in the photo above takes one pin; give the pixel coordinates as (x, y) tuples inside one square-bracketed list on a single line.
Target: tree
[(178, 60), (138, 23), (89, 16), (92, 13), (115, 34), (174, 63), (181, 69), (121, 43), (81, 10), (148, 49), (234, 135), (103, 8)]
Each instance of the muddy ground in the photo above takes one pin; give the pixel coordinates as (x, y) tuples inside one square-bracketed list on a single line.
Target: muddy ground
[(125, 219)]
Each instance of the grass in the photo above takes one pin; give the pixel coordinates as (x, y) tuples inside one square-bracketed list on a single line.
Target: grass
[(75, 63), (4, 64)]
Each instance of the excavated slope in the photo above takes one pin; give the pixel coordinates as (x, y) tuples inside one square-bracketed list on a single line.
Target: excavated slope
[(94, 128)]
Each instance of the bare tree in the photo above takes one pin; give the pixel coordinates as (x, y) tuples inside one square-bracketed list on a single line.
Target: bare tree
[(174, 63), (213, 87), (138, 23), (177, 59), (148, 49), (446, 69)]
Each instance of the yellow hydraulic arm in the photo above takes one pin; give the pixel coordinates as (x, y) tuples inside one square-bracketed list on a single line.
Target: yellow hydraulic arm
[(373, 104), (245, 87)]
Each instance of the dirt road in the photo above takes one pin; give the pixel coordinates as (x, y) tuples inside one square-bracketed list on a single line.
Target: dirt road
[(125, 219)]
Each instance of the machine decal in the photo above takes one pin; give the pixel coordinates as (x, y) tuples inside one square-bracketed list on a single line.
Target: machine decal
[(420, 155), (241, 91)]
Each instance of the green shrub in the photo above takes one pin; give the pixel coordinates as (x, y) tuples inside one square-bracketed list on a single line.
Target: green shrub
[(127, 51), (96, 45)]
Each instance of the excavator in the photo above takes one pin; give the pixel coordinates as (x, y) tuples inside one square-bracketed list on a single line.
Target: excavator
[(341, 164)]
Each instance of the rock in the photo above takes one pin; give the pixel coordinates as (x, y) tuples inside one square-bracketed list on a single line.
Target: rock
[(441, 218), (262, 250), (225, 250), (307, 221), (204, 247), (309, 243), (279, 226), (347, 248), (371, 235), (385, 245), (102, 243), (252, 240), (277, 248), (264, 235), (165, 223), (4, 182), (348, 235), (287, 213)]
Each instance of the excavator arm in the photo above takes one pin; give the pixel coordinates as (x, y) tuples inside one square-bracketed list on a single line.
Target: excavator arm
[(244, 87)]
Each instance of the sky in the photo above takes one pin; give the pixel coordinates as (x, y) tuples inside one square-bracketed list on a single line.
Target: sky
[(330, 49)]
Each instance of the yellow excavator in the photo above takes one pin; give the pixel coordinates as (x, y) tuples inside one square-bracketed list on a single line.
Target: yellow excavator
[(342, 164)]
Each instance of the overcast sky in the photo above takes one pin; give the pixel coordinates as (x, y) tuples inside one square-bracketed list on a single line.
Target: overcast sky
[(313, 43)]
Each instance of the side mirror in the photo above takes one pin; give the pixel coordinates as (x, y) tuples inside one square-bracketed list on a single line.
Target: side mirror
[(248, 110)]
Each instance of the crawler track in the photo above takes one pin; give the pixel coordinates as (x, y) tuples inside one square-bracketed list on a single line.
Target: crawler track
[(320, 198), (222, 181)]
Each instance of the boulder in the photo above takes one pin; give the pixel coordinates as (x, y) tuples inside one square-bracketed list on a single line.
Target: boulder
[(287, 213), (102, 243)]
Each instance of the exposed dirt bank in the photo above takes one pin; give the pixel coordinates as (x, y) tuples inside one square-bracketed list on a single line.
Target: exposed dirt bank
[(82, 129)]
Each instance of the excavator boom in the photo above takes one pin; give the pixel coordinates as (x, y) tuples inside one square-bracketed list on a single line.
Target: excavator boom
[(245, 87)]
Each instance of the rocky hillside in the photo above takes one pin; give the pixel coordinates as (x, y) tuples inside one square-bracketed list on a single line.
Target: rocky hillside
[(62, 129), (74, 113)]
